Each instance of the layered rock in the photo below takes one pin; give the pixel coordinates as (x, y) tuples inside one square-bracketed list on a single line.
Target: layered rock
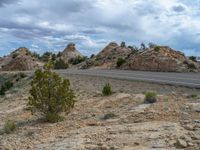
[(70, 52), (20, 60), (107, 58), (162, 59)]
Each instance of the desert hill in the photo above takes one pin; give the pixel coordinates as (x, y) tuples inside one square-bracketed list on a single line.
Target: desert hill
[(156, 58), (160, 58), (108, 56), (19, 60), (70, 52)]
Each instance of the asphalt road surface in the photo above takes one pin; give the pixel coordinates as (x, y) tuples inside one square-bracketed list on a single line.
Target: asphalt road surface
[(181, 79)]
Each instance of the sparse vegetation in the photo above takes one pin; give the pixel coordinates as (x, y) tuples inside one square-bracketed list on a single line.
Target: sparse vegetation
[(50, 94), (22, 75), (157, 48), (77, 60), (2, 90), (120, 61), (123, 44), (150, 97), (60, 64), (108, 116), (193, 58), (9, 127), (107, 90), (15, 55)]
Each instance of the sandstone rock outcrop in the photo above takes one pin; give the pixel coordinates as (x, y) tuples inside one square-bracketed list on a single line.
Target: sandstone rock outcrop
[(163, 59), (107, 58), (70, 52), (19, 60)]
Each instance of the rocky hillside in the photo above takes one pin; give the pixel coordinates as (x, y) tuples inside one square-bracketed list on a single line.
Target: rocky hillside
[(70, 52), (21, 59), (157, 58), (160, 58), (107, 58)]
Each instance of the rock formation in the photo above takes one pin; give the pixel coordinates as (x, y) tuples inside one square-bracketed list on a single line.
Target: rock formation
[(107, 58), (19, 60), (70, 52), (161, 59)]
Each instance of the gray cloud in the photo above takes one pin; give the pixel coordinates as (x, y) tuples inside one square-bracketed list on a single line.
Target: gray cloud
[(4, 2), (50, 24), (178, 8)]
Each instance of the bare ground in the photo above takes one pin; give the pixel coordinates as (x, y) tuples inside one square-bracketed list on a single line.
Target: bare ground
[(121, 121)]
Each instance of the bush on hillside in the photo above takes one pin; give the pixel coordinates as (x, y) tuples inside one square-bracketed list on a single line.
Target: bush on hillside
[(50, 94), (157, 48), (9, 127), (60, 64), (77, 60), (150, 97), (120, 61)]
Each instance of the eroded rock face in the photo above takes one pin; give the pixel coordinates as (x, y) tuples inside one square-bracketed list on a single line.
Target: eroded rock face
[(20, 60), (107, 58), (70, 52), (165, 59)]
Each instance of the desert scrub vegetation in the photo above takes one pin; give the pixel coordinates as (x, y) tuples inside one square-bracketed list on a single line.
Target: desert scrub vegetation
[(9, 127), (157, 48), (5, 87), (107, 89), (120, 61), (150, 97), (60, 64), (50, 94)]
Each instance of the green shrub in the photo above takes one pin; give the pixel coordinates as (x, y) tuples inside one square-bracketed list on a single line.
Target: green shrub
[(22, 75), (157, 48), (77, 60), (15, 55), (120, 61), (8, 85), (107, 90), (150, 97), (109, 116), (9, 127), (193, 58), (2, 90), (50, 94), (60, 64)]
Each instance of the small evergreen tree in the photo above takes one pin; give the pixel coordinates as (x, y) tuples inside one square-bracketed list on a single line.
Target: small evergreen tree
[(60, 64), (50, 94), (2, 90), (107, 90), (120, 61), (123, 44)]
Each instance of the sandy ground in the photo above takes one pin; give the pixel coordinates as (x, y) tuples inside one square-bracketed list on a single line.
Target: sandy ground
[(121, 121)]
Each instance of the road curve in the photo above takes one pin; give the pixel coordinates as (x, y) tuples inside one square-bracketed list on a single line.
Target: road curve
[(180, 79)]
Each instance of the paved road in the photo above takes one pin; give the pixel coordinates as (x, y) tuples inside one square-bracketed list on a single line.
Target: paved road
[(181, 79)]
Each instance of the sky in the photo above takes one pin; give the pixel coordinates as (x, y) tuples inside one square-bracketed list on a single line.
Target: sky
[(49, 25)]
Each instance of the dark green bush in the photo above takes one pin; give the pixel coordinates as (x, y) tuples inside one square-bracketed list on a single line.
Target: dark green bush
[(9, 127), (22, 75), (193, 58), (2, 90), (50, 94), (109, 116), (157, 48), (15, 55), (150, 97), (60, 64), (120, 61), (107, 90), (8, 85), (77, 60)]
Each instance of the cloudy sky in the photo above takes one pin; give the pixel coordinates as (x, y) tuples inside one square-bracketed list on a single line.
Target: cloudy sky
[(48, 25)]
